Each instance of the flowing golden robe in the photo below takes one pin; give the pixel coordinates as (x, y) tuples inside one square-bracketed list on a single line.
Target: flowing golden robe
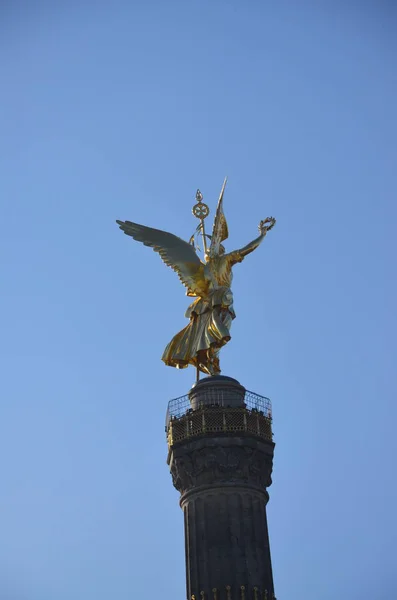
[(210, 320)]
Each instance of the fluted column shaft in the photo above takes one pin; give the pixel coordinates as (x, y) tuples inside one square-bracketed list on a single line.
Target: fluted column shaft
[(223, 481)]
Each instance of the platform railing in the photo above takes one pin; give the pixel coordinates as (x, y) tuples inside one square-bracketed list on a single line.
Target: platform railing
[(215, 416)]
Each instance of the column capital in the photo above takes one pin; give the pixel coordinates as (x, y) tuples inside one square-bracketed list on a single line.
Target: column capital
[(228, 462)]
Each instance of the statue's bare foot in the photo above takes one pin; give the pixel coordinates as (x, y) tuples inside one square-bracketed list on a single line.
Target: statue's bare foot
[(213, 366)]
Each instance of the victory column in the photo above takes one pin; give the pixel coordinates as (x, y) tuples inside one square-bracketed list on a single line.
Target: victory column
[(220, 443)]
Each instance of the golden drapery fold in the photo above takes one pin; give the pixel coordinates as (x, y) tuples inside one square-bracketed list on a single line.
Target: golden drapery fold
[(208, 330)]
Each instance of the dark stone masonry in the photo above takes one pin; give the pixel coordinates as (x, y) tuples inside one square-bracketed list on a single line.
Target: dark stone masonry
[(221, 458)]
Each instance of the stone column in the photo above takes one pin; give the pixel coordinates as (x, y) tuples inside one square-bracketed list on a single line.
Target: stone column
[(222, 478)]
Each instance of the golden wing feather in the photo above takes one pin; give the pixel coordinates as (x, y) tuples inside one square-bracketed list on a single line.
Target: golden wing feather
[(175, 252)]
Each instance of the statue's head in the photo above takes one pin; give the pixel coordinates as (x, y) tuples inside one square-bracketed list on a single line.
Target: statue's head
[(209, 255)]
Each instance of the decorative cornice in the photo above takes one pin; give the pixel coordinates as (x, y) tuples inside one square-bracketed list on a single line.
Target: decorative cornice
[(221, 462)]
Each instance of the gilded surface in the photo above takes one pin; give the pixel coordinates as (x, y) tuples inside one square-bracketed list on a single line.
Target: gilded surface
[(211, 313)]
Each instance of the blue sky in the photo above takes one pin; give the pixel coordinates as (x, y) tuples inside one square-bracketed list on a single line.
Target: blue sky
[(120, 110)]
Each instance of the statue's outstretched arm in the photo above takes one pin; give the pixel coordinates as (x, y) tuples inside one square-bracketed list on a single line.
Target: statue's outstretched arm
[(264, 227)]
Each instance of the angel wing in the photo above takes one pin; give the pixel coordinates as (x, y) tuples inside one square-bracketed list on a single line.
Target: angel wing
[(175, 252)]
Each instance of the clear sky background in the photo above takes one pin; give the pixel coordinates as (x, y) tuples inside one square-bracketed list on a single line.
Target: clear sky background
[(120, 110)]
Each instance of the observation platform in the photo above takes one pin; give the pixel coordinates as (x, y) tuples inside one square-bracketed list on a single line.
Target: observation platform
[(218, 405)]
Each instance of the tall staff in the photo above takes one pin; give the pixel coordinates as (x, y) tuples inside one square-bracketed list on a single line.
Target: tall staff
[(201, 211)]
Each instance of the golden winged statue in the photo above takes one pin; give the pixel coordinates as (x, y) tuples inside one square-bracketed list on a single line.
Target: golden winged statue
[(211, 313)]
